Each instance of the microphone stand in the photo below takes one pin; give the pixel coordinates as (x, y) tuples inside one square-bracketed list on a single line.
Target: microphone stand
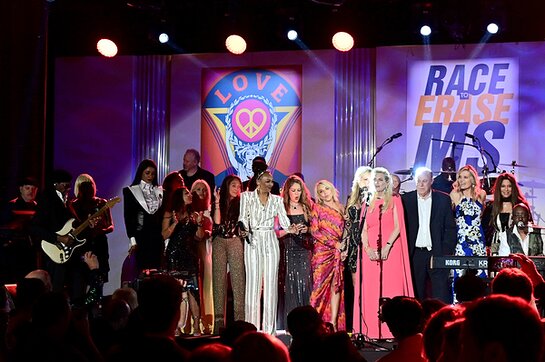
[(380, 264), (365, 207), (379, 148)]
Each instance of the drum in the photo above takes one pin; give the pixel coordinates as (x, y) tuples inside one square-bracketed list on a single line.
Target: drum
[(487, 183)]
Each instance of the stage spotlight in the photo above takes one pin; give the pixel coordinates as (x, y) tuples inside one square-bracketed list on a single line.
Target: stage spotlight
[(163, 38), (292, 35), (425, 30), (342, 41), (492, 28), (235, 44), (107, 48)]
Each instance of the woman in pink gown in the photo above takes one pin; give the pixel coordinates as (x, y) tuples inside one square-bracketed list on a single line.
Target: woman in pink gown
[(384, 225)]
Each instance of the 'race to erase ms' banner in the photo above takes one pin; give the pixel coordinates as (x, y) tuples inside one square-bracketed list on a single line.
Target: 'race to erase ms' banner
[(249, 112), (448, 99)]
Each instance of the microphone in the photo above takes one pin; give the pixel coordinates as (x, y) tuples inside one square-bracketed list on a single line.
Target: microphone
[(397, 135), (520, 225), (470, 136)]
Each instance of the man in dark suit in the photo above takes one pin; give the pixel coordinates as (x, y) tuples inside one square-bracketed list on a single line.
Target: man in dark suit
[(431, 231)]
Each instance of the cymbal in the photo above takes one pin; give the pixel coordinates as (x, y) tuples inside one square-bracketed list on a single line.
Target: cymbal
[(533, 184), (512, 164), (404, 172)]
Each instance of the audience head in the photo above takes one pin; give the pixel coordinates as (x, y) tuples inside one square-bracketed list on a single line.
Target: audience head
[(435, 329), (305, 321), (29, 290), (159, 299), (338, 347), (192, 158), (43, 276), (234, 330), (85, 186), (469, 287), (116, 312), (256, 346), (259, 164), (147, 172), (28, 187), (501, 328), (513, 282), (214, 352), (430, 306), (128, 295), (403, 315)]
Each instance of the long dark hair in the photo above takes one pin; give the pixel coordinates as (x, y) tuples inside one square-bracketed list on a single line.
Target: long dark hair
[(141, 167), (517, 197), (305, 199), (177, 202), (229, 209)]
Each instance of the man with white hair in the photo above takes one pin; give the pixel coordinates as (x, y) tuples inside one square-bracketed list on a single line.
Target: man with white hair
[(431, 231)]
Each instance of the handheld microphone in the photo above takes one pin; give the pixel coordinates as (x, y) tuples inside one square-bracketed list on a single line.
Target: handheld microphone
[(397, 135), (470, 136), (520, 224)]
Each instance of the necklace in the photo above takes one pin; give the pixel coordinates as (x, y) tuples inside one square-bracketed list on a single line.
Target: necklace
[(294, 207)]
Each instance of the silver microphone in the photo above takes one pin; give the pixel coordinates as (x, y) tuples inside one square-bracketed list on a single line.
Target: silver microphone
[(520, 224)]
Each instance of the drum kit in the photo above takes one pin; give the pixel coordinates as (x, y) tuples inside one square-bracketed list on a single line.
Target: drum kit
[(487, 183)]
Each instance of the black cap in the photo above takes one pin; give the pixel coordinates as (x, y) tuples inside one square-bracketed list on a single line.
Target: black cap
[(28, 181)]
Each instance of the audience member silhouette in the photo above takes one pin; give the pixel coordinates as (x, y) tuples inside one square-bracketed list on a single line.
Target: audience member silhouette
[(214, 352), (152, 324), (234, 330), (404, 317), (501, 328), (256, 346), (513, 282), (469, 287), (435, 329)]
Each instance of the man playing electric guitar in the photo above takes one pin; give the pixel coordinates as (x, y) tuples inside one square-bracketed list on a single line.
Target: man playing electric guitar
[(51, 215)]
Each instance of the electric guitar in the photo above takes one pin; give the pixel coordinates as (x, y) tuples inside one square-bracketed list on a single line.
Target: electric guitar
[(60, 253)]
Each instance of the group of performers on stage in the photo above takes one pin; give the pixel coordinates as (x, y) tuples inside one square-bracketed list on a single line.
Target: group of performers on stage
[(291, 249)]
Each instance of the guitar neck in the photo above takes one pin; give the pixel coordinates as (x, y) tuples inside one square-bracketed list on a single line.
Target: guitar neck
[(86, 223)]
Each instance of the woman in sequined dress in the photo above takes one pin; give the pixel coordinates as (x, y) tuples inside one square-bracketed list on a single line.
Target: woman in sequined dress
[(326, 226), (184, 229), (468, 199), (295, 277)]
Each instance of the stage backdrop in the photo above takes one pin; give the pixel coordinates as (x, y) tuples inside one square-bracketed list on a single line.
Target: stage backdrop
[(249, 112), (464, 108)]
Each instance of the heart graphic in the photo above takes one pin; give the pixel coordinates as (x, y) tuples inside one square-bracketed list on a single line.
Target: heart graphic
[(251, 128)]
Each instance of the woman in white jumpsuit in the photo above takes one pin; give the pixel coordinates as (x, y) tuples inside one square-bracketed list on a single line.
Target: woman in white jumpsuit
[(258, 210)]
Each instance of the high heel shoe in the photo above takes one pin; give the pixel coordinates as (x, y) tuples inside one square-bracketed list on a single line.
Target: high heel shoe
[(197, 326)]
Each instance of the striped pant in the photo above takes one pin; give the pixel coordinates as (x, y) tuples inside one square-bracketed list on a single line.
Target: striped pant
[(261, 259)]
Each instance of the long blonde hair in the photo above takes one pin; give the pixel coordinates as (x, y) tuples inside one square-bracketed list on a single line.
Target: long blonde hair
[(475, 181), (388, 194), (355, 192), (328, 184), (198, 204)]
